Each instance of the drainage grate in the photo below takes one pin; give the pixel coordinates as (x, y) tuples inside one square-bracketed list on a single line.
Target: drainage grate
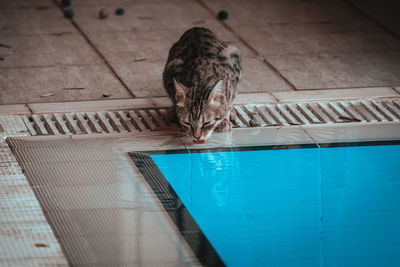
[(248, 115)]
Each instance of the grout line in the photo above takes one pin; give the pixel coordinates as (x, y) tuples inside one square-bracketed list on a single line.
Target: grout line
[(371, 18), (309, 135), (97, 51), (29, 107), (263, 59), (50, 66), (342, 88), (81, 100)]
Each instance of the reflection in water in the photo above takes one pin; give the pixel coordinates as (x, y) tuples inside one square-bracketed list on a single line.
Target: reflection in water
[(294, 207)]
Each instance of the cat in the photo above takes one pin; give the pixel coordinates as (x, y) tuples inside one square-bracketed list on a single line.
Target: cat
[(201, 77)]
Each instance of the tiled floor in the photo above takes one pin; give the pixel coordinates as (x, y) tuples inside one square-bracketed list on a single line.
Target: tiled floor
[(306, 45), (292, 51)]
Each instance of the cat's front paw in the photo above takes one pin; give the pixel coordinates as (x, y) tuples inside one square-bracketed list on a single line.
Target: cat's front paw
[(224, 126)]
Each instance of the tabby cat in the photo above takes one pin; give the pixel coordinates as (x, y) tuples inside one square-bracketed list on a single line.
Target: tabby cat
[(201, 77)]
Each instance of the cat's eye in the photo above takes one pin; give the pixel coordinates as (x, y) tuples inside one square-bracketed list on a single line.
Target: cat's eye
[(208, 123), (187, 124)]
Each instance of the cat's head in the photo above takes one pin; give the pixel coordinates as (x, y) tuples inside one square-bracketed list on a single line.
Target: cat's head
[(199, 115)]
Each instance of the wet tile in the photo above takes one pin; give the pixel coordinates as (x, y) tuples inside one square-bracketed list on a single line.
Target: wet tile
[(122, 249), (342, 94), (354, 132), (340, 70), (101, 222), (46, 50), (64, 173), (123, 195), (266, 136), (32, 21), (23, 85), (65, 152), (132, 142)]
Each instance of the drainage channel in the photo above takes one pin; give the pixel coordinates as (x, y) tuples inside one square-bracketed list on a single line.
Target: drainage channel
[(248, 115)]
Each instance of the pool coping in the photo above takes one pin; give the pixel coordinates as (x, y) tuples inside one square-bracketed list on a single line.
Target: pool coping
[(121, 143)]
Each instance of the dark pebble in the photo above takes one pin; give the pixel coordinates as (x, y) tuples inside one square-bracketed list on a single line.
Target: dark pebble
[(65, 2), (103, 13), (119, 11), (222, 15), (69, 13)]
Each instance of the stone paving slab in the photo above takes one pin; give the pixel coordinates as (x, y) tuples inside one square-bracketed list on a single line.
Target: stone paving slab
[(152, 45), (26, 85), (385, 12), (340, 70), (304, 39), (45, 50), (24, 3), (146, 16), (119, 3), (257, 13), (258, 77), (144, 79), (382, 10), (33, 20)]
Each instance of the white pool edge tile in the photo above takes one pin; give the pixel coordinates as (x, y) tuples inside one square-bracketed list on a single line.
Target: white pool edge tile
[(335, 94), (353, 132)]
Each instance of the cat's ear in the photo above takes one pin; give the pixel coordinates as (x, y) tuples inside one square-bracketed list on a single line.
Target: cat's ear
[(217, 95), (180, 95)]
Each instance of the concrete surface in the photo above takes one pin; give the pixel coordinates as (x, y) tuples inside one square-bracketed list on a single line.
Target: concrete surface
[(292, 50), (286, 45)]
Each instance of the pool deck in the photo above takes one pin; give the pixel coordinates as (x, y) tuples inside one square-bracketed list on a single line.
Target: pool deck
[(292, 51)]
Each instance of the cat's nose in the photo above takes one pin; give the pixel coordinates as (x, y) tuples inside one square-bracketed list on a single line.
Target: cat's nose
[(197, 136)]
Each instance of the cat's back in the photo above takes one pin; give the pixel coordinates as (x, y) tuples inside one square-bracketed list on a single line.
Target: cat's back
[(199, 60), (195, 42)]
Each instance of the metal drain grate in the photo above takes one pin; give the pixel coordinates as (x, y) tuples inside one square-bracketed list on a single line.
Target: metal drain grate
[(249, 115)]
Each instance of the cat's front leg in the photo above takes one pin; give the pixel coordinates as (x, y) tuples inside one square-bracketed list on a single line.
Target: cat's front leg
[(232, 114)]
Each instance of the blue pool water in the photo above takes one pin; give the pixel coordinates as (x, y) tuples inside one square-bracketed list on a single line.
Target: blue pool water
[(335, 206)]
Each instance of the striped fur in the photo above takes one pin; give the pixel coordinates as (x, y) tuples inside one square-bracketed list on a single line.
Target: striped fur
[(201, 77)]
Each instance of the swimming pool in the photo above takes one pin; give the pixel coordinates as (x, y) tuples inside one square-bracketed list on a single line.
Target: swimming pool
[(335, 205)]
